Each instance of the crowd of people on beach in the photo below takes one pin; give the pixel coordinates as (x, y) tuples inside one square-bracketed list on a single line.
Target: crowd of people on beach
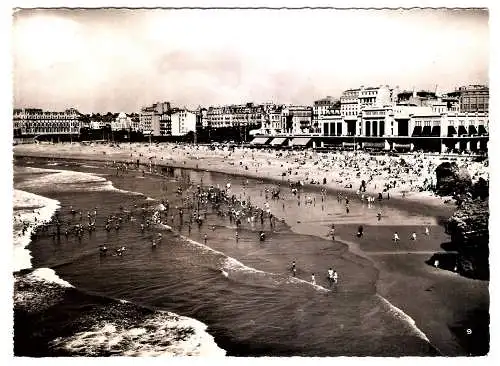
[(363, 176), (191, 205), (377, 174)]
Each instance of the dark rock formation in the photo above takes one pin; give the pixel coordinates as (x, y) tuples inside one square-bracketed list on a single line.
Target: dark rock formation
[(450, 180), (481, 189), (468, 229)]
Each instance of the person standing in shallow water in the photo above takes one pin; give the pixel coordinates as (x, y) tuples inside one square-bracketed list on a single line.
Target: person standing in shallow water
[(332, 232), (313, 279), (330, 276)]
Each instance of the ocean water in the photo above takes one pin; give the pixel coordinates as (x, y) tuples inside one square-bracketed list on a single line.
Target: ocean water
[(191, 296)]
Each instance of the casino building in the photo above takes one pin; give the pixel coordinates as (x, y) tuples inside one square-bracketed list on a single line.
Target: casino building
[(384, 119)]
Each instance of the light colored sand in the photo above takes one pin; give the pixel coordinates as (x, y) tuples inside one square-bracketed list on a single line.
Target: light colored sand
[(342, 170)]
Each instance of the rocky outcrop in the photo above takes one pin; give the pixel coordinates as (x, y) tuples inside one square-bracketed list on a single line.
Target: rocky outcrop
[(450, 180), (468, 229), (481, 189)]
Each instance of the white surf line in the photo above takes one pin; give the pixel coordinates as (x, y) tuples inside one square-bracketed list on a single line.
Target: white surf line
[(230, 261), (400, 314)]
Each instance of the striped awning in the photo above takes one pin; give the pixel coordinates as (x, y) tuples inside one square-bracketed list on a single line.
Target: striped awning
[(300, 141), (259, 141), (277, 141)]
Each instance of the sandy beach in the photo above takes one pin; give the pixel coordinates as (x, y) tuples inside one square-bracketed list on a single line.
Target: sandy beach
[(408, 180)]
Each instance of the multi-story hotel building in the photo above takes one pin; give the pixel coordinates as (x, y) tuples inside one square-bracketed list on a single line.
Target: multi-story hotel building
[(326, 106), (33, 122), (273, 123), (202, 115), (151, 121), (297, 119), (474, 98), (215, 117), (325, 112), (182, 122), (353, 101), (235, 115), (165, 124), (349, 104)]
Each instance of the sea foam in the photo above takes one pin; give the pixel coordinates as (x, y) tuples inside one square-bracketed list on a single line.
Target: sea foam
[(25, 203), (160, 334), (69, 180)]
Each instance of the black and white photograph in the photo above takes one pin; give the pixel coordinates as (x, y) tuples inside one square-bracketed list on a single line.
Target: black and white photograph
[(250, 182)]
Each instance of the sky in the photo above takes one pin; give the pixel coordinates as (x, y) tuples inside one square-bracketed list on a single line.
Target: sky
[(99, 60)]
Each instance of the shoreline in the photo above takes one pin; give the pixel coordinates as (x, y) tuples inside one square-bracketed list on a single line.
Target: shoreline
[(419, 201), (386, 278)]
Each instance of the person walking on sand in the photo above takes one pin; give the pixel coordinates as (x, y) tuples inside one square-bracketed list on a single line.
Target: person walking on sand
[(395, 238), (332, 232), (427, 231), (294, 269), (313, 280), (414, 236), (205, 238), (335, 277)]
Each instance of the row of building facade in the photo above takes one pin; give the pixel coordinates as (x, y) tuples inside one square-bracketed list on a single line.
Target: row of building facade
[(156, 120), (364, 112)]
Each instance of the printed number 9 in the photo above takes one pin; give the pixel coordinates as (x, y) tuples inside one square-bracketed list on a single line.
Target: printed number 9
[(469, 331)]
